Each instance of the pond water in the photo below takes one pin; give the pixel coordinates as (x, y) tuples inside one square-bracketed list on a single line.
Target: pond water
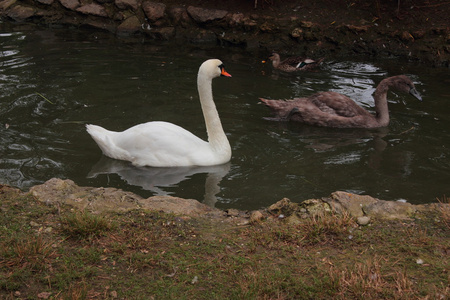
[(53, 82)]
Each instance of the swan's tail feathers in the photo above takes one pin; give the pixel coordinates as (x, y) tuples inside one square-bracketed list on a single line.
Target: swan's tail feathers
[(268, 102), (279, 108), (275, 105), (102, 137)]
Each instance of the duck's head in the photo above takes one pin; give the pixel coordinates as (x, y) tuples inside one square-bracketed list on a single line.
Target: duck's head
[(274, 56)]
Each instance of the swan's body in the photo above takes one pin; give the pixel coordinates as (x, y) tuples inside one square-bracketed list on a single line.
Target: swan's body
[(163, 144), (331, 109), (293, 64)]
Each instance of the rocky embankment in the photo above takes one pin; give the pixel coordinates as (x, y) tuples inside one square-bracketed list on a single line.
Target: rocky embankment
[(58, 192), (319, 28)]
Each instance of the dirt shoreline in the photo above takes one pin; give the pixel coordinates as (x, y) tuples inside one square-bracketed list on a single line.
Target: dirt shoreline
[(415, 30)]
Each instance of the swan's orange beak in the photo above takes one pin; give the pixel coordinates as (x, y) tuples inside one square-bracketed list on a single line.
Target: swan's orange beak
[(225, 73)]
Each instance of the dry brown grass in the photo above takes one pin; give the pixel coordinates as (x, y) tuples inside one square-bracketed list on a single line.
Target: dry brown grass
[(445, 210), (31, 253), (367, 280), (144, 255), (326, 227)]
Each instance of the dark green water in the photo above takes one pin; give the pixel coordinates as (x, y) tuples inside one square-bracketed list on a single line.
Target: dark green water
[(92, 77)]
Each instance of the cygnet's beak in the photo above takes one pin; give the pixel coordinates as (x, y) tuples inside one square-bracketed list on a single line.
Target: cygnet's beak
[(415, 93)]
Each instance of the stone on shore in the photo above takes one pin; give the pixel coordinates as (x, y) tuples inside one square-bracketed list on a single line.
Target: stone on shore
[(153, 10), (21, 13), (125, 4), (360, 205), (93, 9), (364, 209), (129, 26), (70, 4), (203, 15), (98, 200)]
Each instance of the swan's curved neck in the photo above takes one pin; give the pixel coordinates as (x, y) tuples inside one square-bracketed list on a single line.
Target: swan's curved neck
[(381, 104), (216, 136)]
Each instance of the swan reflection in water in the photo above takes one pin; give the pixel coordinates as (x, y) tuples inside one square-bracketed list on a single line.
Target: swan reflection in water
[(155, 179), (321, 139)]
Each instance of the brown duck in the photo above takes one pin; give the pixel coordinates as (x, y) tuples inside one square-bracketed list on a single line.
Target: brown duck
[(331, 109), (293, 64)]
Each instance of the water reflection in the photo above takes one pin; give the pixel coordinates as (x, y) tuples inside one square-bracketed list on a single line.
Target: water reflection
[(155, 179)]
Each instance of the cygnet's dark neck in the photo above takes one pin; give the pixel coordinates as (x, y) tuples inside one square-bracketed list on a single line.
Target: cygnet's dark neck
[(381, 104)]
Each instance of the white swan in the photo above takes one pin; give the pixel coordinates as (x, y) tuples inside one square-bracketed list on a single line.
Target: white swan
[(162, 144)]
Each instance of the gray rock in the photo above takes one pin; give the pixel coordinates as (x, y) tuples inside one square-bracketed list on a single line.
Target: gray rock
[(256, 216), (314, 207), (390, 210), (4, 5), (124, 4), (34, 224), (57, 191), (129, 26), (203, 15), (284, 206), (179, 16), (177, 205), (359, 205), (237, 19), (93, 9), (97, 200), (153, 10), (352, 203), (364, 220), (21, 13), (70, 4)]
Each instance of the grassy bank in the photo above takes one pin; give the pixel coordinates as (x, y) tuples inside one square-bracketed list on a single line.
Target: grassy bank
[(49, 252)]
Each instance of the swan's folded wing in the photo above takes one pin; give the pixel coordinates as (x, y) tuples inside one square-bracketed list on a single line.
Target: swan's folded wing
[(161, 144), (337, 104)]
